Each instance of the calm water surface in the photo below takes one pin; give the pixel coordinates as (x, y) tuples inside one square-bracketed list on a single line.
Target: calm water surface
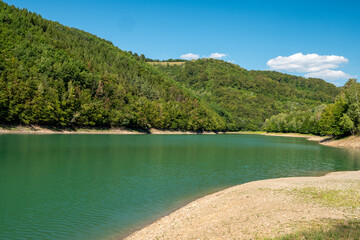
[(96, 186)]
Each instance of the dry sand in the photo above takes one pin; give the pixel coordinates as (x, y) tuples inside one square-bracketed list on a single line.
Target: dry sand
[(258, 209), (348, 142), (34, 129)]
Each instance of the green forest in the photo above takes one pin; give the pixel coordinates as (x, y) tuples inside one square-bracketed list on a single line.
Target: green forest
[(245, 99), (338, 119), (58, 76), (54, 75)]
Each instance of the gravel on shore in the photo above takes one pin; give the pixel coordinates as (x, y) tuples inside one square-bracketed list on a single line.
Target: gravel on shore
[(260, 209)]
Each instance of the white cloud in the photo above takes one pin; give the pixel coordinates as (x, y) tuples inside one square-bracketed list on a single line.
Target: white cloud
[(314, 65), (306, 63), (330, 75), (217, 55), (190, 56)]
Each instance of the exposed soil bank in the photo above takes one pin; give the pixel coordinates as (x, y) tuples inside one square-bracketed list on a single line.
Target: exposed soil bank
[(260, 209), (349, 142), (34, 129)]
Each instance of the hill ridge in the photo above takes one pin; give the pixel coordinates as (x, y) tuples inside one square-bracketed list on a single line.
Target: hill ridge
[(60, 76)]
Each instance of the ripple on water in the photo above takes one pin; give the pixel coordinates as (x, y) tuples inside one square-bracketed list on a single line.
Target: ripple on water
[(91, 186)]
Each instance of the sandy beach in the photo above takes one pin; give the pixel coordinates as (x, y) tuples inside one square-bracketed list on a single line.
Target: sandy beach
[(34, 129), (348, 142), (263, 209)]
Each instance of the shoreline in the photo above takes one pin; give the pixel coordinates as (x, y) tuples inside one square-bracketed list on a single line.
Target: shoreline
[(352, 142), (248, 210), (35, 129)]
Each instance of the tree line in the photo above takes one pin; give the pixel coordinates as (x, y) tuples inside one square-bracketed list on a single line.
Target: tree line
[(338, 119)]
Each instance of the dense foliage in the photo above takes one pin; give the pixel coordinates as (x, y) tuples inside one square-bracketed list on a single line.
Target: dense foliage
[(343, 117), (337, 119), (296, 122), (142, 57), (246, 98), (54, 75)]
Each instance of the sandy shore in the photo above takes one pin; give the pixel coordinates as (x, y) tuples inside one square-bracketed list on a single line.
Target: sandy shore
[(349, 142), (260, 209), (35, 129), (171, 132), (120, 131), (41, 130), (296, 135)]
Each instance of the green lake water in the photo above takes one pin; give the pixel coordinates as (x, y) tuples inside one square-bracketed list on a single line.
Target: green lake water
[(96, 186)]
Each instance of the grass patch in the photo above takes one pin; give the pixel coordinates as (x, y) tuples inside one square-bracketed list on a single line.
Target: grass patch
[(333, 198), (337, 230)]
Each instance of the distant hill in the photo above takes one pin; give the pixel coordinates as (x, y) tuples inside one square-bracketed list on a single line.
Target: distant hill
[(59, 76), (246, 98)]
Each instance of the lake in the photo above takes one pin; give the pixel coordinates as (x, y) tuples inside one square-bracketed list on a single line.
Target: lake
[(99, 186)]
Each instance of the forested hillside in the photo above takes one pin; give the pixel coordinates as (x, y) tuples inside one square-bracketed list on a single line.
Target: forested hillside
[(54, 75), (338, 119), (246, 98), (59, 76)]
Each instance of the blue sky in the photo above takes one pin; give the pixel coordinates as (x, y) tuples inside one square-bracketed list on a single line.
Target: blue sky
[(249, 33)]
